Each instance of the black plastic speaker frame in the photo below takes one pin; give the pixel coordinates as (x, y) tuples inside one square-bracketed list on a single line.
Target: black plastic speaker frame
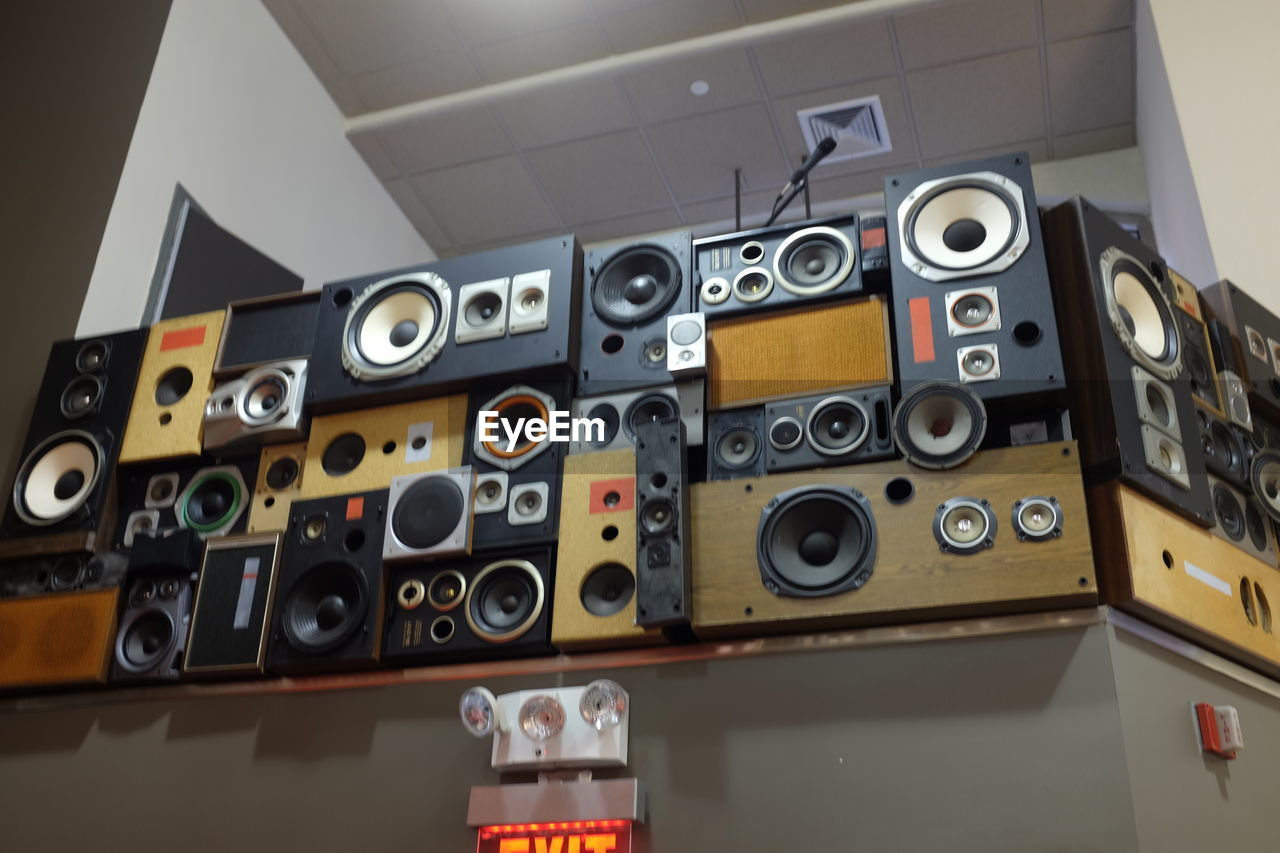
[(1257, 335), (103, 371), (138, 485), (1228, 449), (663, 580), (37, 574), (930, 346), (622, 351), (811, 415), (430, 616), (156, 609), (740, 433), (331, 388), (329, 597)]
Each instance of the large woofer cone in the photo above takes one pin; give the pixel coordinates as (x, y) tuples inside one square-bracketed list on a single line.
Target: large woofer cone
[(427, 512), (813, 260), (647, 408), (1140, 314), (505, 600), (212, 502), (396, 327), (1223, 445), (607, 589), (1227, 509), (607, 414), (737, 447), (264, 398), (145, 641), (514, 405), (939, 424), (82, 396), (325, 608), (636, 285), (816, 540), (1264, 476), (963, 225), (964, 525), (837, 426), (57, 478), (93, 356)]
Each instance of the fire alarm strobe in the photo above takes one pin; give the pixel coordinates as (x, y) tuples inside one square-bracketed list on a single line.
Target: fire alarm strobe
[(561, 732), (1218, 729)]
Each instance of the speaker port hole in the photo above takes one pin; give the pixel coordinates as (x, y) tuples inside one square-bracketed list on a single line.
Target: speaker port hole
[(609, 534), (1026, 333), (1157, 270), (354, 540), (612, 344), (1168, 559), (389, 448), (1246, 601), (442, 629), (418, 442), (1083, 581), (658, 480), (1264, 608), (173, 386), (165, 419), (752, 253), (269, 502), (341, 297), (899, 490)]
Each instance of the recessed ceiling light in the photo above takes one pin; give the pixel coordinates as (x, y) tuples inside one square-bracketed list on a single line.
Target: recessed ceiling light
[(699, 87)]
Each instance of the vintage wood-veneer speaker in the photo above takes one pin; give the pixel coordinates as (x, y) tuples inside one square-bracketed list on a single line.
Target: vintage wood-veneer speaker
[(429, 330), (174, 382), (890, 542), (1257, 335), (628, 292), (971, 296), (63, 497), (60, 639)]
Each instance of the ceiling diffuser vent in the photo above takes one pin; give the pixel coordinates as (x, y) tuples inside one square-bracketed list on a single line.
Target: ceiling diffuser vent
[(857, 126)]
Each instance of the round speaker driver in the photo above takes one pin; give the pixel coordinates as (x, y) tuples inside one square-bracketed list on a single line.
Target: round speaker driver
[(815, 541), (504, 600), (396, 326), (939, 424), (57, 478), (636, 285)]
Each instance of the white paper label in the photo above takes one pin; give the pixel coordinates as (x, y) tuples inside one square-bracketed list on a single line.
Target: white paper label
[(1207, 578), (417, 444), (244, 604)]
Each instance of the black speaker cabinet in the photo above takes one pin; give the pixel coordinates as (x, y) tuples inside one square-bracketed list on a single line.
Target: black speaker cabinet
[(1197, 352), (736, 442), (1130, 392), (829, 429), (629, 290), (232, 611), (493, 606), (156, 608), (971, 298), (1230, 365), (266, 329), (662, 524), (63, 497), (424, 331), (1257, 334), (200, 494), (517, 493), (778, 267), (37, 574), (875, 252), (328, 613), (1228, 449)]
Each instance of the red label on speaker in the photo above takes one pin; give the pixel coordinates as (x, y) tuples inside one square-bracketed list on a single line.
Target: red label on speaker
[(613, 495), (355, 509), (873, 238), (192, 336), (921, 329)]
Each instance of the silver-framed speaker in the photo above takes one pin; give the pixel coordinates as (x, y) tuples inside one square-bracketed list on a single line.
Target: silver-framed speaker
[(429, 515), (263, 406), (621, 413)]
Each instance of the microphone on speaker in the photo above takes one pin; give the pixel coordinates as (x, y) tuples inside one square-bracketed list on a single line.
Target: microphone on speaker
[(800, 176)]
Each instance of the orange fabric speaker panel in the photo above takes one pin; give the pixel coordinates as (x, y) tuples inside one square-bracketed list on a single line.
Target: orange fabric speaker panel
[(64, 638), (755, 358)]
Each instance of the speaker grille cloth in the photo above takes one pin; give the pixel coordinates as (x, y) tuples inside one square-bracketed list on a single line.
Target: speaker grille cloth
[(56, 639), (792, 353)]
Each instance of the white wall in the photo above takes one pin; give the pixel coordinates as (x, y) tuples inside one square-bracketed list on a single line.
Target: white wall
[(234, 114)]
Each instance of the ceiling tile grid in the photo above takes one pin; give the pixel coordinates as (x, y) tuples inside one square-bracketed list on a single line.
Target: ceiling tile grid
[(636, 150)]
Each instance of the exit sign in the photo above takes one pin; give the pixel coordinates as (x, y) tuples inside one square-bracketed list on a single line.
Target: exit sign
[(582, 836)]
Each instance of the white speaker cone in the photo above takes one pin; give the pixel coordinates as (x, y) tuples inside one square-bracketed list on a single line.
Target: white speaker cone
[(981, 217), (59, 480), (1147, 320), (940, 425), (397, 327)]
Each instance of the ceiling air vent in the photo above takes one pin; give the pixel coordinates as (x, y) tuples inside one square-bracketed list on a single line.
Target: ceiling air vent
[(857, 126)]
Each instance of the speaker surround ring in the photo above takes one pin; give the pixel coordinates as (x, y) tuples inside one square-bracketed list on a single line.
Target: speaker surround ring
[(816, 541), (964, 525), (265, 397), (737, 447), (939, 424), (227, 500), (814, 426), (790, 249), (537, 404), (365, 357), (447, 590), (933, 202), (411, 594), (479, 623), (57, 477), (94, 356), (715, 291), (635, 285), (1134, 299)]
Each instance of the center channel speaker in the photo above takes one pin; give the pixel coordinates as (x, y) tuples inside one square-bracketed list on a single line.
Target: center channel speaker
[(329, 598), (1228, 450), (263, 406), (156, 613), (517, 495), (595, 589), (630, 289), (829, 429), (62, 639), (279, 484), (810, 349), (200, 495), (423, 331), (1197, 352), (662, 524), (778, 267), (174, 382), (231, 615), (492, 606), (971, 297), (887, 542), (1130, 393), (1240, 519), (620, 414), (36, 574), (1257, 334), (1183, 577), (364, 450), (63, 497)]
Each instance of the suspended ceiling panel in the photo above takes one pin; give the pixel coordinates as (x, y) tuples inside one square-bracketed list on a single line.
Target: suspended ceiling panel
[(625, 147)]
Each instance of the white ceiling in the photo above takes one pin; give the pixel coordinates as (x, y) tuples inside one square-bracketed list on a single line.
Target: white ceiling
[(630, 150)]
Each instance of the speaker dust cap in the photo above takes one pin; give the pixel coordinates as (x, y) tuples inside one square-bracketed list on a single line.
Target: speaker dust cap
[(636, 285), (57, 478), (396, 327), (815, 541), (939, 424), (515, 404), (966, 225)]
